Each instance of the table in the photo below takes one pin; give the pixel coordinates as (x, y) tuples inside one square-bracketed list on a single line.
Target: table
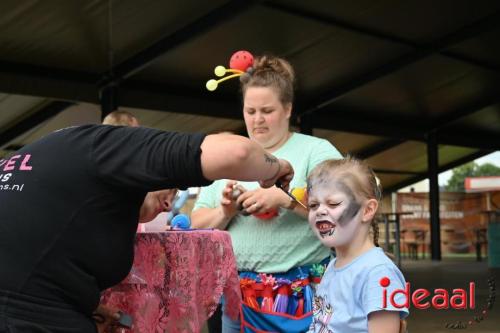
[(177, 280), (395, 220), (481, 238), (419, 236)]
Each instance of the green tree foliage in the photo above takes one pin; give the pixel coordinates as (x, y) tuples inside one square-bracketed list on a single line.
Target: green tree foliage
[(456, 182)]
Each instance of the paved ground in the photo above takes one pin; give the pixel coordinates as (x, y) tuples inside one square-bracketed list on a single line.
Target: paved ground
[(450, 274)]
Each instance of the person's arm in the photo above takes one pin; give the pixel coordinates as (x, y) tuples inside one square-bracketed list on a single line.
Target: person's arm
[(209, 218), (150, 160), (384, 322), (236, 157), (384, 317)]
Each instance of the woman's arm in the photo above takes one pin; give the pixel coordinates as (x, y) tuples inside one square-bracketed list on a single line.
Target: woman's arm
[(209, 218), (236, 157)]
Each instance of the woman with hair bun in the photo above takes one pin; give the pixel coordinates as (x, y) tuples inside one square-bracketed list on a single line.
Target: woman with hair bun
[(269, 231)]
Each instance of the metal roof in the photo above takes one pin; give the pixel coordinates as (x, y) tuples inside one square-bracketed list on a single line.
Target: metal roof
[(376, 78)]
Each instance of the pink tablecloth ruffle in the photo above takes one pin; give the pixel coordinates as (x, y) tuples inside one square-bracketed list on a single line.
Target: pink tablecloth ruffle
[(177, 280)]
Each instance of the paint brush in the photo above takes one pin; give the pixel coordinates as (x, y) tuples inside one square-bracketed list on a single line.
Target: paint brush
[(280, 186)]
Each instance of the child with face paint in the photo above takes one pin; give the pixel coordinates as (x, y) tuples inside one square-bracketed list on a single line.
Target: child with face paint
[(343, 197)]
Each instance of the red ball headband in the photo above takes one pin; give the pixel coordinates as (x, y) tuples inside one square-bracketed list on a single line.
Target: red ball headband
[(240, 63)]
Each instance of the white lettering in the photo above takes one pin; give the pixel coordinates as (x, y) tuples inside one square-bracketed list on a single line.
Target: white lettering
[(5, 176)]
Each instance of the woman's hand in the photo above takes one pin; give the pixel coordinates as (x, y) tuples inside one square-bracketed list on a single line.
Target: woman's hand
[(263, 200), (228, 202)]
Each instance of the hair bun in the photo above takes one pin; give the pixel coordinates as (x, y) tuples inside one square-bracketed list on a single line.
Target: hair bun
[(273, 64), (271, 71)]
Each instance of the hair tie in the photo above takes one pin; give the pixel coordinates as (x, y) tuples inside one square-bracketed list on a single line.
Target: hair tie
[(241, 63), (378, 191)]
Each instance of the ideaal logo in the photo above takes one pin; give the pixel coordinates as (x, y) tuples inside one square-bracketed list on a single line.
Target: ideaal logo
[(441, 300)]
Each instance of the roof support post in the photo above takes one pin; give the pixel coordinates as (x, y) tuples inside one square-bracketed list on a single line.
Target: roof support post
[(432, 170), (109, 100)]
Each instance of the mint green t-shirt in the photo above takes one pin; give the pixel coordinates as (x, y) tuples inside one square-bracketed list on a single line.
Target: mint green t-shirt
[(286, 241)]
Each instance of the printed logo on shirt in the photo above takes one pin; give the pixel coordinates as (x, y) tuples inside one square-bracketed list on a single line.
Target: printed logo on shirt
[(322, 313), (10, 167)]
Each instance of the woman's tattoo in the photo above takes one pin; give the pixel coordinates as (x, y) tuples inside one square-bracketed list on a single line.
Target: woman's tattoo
[(270, 159)]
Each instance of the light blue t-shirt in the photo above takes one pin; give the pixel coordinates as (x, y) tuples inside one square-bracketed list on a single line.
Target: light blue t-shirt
[(347, 295)]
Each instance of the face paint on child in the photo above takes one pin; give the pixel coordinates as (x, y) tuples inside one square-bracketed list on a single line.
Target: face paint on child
[(352, 207), (320, 180), (333, 208)]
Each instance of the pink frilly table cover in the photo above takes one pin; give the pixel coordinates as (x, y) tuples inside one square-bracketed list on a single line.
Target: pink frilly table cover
[(177, 280)]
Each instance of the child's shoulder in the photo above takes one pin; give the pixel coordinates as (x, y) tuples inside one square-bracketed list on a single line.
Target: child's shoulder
[(377, 256), (373, 260), (377, 264)]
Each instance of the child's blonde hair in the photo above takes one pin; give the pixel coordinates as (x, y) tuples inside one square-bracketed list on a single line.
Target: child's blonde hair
[(356, 175)]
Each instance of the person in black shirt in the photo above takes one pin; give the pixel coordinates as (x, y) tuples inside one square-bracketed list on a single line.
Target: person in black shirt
[(70, 204)]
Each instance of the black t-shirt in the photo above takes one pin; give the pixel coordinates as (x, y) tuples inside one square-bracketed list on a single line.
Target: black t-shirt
[(69, 206)]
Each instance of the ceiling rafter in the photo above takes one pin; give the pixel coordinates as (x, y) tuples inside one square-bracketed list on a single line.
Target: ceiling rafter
[(377, 148), (349, 26), (436, 46), (145, 57), (442, 168), (36, 118)]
